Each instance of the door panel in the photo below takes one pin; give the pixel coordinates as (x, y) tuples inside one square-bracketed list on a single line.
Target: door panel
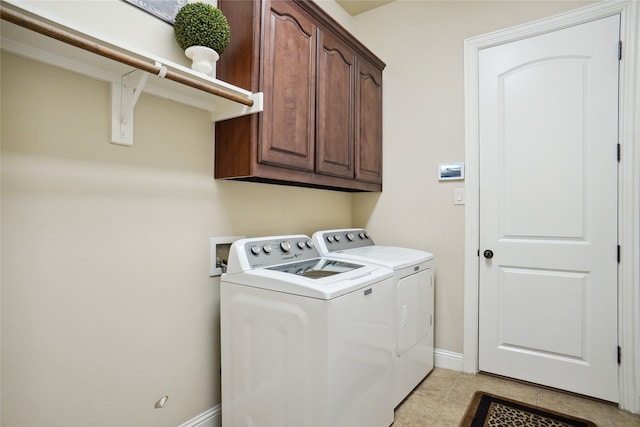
[(415, 306), (369, 123), (336, 92), (527, 310), (550, 155), (289, 86), (548, 209)]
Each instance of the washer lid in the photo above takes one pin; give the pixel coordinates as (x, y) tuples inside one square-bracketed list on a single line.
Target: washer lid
[(319, 281), (388, 256)]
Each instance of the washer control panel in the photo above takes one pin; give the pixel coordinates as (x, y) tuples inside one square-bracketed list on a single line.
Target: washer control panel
[(339, 240), (268, 251)]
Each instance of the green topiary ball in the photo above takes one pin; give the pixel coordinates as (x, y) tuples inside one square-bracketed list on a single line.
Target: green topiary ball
[(200, 24)]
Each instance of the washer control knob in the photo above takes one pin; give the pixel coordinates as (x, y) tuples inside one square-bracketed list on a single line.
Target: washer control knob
[(301, 244), (285, 246), (362, 235), (330, 239), (255, 249), (350, 236), (266, 249), (309, 244), (337, 238)]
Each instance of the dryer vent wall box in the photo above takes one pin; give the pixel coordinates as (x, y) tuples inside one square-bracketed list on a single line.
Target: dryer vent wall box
[(219, 253)]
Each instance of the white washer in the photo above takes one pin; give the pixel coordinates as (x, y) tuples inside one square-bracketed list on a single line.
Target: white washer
[(304, 338), (414, 295)]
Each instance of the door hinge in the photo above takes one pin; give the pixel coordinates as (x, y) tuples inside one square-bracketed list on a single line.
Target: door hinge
[(618, 254), (619, 50), (618, 152), (619, 355)]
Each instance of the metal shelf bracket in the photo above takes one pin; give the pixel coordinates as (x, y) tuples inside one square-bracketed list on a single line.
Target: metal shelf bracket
[(124, 97)]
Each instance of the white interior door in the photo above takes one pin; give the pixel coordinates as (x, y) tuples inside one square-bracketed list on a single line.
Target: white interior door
[(548, 209)]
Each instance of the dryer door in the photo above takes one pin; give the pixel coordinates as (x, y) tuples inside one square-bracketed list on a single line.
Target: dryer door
[(415, 309)]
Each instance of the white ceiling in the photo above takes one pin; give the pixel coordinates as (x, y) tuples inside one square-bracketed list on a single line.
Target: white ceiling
[(356, 7)]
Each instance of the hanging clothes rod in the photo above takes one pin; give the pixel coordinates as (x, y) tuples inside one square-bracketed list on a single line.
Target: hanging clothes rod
[(90, 46)]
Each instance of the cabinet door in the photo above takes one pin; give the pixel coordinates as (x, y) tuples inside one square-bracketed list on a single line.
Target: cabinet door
[(369, 123), (336, 107), (289, 88)]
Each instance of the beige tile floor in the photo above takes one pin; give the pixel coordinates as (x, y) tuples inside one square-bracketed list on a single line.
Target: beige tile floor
[(442, 398)]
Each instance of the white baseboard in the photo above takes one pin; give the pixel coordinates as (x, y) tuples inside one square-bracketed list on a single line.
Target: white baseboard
[(213, 417), (209, 418), (446, 359)]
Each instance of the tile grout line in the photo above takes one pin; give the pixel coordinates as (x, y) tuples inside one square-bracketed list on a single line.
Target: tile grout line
[(453, 386)]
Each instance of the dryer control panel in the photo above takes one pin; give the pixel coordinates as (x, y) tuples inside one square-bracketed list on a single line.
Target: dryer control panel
[(349, 238)]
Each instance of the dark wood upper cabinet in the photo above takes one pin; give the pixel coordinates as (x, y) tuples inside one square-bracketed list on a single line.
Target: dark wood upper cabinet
[(369, 111), (336, 85), (322, 120), (289, 88)]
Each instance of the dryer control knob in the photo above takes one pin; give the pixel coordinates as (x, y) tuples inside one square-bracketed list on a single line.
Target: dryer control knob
[(309, 244), (350, 236), (330, 239), (362, 235), (301, 244), (337, 237), (255, 249), (266, 249), (285, 246)]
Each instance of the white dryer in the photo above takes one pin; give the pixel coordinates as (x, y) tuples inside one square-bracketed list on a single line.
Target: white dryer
[(413, 355), (304, 338)]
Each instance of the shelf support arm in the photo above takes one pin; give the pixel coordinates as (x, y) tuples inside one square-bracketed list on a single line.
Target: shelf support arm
[(128, 114), (123, 103)]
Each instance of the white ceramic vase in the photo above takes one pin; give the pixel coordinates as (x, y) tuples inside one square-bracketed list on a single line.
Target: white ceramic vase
[(203, 59)]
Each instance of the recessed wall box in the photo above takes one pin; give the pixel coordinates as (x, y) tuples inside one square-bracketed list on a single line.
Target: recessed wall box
[(219, 253)]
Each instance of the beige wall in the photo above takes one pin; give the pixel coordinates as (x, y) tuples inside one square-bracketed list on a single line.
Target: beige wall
[(107, 303), (106, 300), (422, 43)]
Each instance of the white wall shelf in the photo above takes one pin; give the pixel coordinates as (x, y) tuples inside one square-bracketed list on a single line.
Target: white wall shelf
[(40, 37)]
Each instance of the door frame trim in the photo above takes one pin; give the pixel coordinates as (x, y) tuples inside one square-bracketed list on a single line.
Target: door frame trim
[(628, 182)]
